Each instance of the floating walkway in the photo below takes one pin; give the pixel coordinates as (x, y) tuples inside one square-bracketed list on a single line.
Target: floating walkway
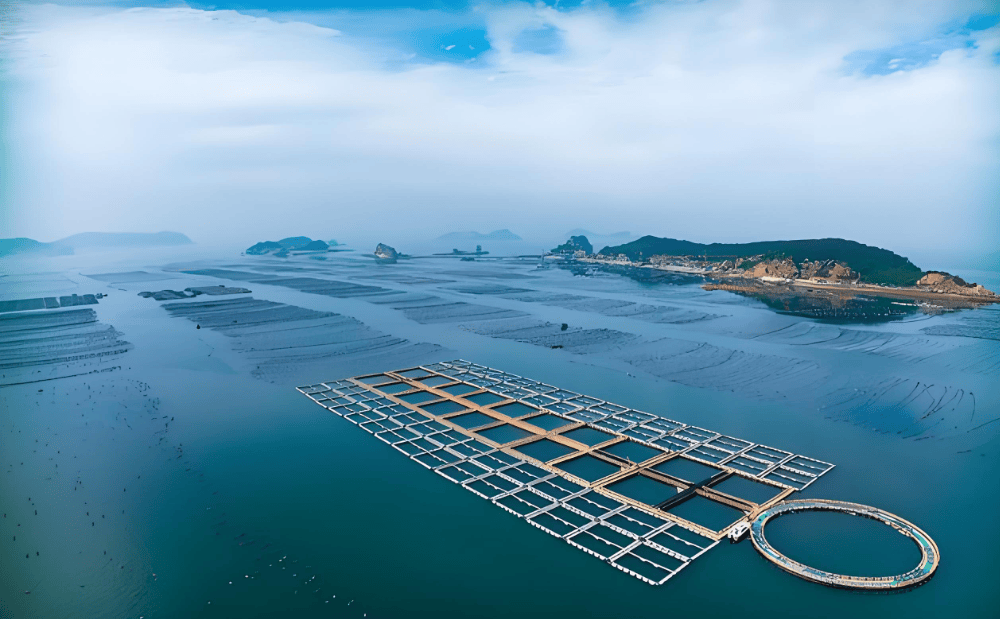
[(929, 555), (602, 477)]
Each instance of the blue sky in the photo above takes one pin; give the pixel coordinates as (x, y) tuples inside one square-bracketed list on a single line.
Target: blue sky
[(455, 30), (913, 54), (469, 41), (442, 5), (864, 119), (443, 41)]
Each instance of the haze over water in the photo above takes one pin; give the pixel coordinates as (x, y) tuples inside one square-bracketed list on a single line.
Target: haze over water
[(198, 461)]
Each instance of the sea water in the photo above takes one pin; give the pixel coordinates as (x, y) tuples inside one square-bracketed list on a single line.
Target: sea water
[(217, 494)]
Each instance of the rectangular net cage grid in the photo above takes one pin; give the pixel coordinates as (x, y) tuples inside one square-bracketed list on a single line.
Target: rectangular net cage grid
[(643, 493)]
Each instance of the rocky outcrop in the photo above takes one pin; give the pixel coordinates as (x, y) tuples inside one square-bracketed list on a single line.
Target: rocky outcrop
[(946, 283), (828, 271), (785, 269), (575, 244), (384, 253)]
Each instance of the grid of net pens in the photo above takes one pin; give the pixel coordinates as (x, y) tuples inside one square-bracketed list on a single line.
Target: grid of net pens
[(618, 483)]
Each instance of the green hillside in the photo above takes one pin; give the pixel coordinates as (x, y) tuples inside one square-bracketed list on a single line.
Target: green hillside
[(875, 265), (575, 243)]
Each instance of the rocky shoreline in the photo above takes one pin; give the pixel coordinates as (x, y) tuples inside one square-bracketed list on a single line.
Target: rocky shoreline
[(782, 276), (820, 289), (818, 297)]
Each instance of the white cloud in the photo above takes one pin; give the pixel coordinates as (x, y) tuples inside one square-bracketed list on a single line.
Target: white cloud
[(715, 120)]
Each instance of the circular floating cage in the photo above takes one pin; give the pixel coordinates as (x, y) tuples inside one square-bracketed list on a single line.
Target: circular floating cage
[(930, 558)]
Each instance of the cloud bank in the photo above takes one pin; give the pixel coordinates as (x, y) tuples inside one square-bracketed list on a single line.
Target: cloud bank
[(719, 120)]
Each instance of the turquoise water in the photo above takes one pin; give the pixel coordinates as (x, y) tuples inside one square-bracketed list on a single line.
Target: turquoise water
[(252, 484)]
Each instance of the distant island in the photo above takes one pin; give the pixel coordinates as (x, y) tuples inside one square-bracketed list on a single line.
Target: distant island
[(496, 235), (91, 240), (458, 252), (282, 247), (871, 264), (21, 245), (575, 244), (778, 269), (386, 254)]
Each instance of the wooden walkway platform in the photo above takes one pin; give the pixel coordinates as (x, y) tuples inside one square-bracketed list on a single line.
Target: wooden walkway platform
[(930, 556)]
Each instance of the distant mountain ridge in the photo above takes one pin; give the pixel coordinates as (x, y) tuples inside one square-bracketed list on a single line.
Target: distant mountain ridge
[(22, 245), (124, 239), (496, 235), (874, 264), (91, 240)]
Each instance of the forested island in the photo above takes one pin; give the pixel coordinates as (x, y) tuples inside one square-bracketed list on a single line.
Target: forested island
[(788, 272), (872, 265), (281, 248)]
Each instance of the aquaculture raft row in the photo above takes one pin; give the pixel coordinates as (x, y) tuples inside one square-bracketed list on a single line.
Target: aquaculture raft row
[(603, 477)]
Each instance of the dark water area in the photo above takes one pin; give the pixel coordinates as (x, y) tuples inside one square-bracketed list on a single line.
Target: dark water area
[(859, 310), (216, 490)]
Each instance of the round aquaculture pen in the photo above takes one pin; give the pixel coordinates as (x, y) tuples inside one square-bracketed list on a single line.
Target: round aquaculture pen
[(929, 555)]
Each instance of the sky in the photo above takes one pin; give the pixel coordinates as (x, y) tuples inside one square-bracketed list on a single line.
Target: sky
[(719, 120)]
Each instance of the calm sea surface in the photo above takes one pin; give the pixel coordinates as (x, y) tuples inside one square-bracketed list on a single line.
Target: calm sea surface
[(179, 485)]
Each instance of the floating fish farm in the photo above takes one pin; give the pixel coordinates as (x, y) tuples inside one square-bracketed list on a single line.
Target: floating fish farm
[(645, 494), (607, 479)]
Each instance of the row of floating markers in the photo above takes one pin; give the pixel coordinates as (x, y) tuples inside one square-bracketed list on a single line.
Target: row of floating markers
[(633, 540)]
